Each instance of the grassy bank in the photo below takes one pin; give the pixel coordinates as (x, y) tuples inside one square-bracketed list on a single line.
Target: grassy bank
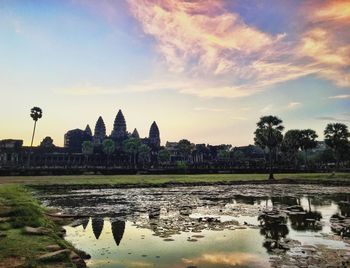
[(17, 249), (162, 179)]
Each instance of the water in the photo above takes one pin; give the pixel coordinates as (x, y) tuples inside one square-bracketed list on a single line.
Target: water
[(209, 226)]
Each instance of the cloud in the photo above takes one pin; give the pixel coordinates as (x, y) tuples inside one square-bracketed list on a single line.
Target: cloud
[(210, 46), (345, 96), (210, 109), (334, 10), (332, 119), (293, 105), (205, 40), (232, 259), (266, 109)]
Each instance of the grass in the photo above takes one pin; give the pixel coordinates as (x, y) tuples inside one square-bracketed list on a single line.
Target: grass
[(161, 179), (17, 203)]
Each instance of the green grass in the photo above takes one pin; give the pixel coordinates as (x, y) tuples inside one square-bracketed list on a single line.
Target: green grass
[(17, 203), (160, 179)]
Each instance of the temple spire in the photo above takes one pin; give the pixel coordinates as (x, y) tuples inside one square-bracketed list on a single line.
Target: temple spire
[(88, 130), (100, 131), (119, 127), (154, 136), (135, 134)]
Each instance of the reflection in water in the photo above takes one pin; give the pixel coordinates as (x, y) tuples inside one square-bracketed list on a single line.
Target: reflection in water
[(118, 228), (202, 226), (285, 200), (97, 226), (238, 259), (85, 222)]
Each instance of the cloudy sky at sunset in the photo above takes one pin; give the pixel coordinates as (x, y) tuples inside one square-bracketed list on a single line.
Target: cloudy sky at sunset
[(203, 70)]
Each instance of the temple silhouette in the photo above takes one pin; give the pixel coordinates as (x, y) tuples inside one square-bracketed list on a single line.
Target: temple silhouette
[(74, 139), (14, 155)]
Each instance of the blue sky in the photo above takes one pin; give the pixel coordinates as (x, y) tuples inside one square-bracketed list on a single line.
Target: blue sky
[(203, 70)]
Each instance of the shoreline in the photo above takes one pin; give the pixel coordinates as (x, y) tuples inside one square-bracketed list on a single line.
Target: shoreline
[(334, 183)]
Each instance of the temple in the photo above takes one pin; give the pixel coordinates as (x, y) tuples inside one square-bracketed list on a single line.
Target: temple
[(100, 131), (119, 128)]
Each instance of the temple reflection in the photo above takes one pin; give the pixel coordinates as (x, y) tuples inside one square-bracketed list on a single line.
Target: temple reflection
[(97, 226), (118, 228)]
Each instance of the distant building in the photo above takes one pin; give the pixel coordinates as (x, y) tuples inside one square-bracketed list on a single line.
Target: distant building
[(74, 139)]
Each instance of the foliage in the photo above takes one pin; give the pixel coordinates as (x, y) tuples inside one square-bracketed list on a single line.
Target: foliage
[(144, 152), (87, 148), (108, 146), (181, 166), (269, 135), (224, 154), (36, 113), (291, 144), (132, 145), (337, 137), (164, 156), (184, 147)]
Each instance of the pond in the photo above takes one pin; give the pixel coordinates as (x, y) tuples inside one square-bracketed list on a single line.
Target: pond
[(208, 226)]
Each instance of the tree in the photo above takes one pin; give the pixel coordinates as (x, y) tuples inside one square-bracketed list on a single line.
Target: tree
[(144, 153), (336, 136), (132, 147), (36, 113), (269, 135), (308, 141), (108, 147), (184, 147), (87, 149), (164, 156), (291, 145)]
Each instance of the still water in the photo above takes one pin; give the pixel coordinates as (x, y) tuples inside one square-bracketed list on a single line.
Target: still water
[(209, 226)]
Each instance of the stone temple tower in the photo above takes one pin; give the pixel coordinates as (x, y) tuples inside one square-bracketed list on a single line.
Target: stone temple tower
[(154, 136), (119, 127), (100, 131)]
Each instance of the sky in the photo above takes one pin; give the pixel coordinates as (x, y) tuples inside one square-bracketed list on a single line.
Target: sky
[(203, 70)]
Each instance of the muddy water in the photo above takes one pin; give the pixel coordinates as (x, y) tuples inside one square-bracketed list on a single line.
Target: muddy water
[(209, 226)]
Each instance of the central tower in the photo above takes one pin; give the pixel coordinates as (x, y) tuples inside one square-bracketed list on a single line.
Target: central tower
[(119, 127)]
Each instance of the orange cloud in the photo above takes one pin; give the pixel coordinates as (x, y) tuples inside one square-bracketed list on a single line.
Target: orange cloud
[(214, 53), (232, 259), (334, 10), (186, 31)]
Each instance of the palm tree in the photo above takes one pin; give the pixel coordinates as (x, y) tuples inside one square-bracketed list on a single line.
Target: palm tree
[(336, 136), (108, 147), (87, 149), (269, 135), (144, 153), (36, 113), (184, 147), (291, 144), (308, 141), (164, 156), (132, 146)]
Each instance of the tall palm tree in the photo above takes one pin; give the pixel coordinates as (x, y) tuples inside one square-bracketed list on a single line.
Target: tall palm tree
[(308, 141), (336, 136), (36, 113), (269, 135), (132, 146), (291, 145), (87, 149), (108, 147), (144, 153)]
